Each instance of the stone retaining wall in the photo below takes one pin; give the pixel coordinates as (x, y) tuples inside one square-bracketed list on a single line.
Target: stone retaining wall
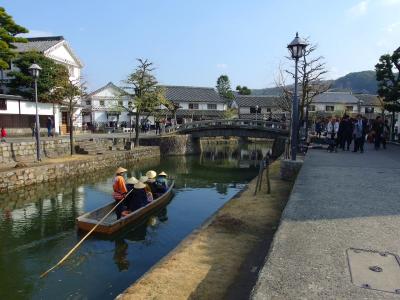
[(17, 178), (26, 151), (174, 144)]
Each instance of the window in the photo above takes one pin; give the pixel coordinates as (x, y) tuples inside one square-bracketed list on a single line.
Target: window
[(369, 110), (193, 106), (3, 104), (120, 103), (268, 110), (311, 108), (349, 108), (329, 108), (88, 102), (211, 106), (101, 102), (253, 110)]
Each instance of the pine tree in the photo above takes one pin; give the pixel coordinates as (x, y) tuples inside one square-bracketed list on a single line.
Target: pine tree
[(224, 87)]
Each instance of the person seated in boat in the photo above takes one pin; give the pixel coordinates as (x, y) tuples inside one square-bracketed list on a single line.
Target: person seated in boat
[(120, 190), (149, 193), (151, 175), (161, 183), (130, 200), (140, 195)]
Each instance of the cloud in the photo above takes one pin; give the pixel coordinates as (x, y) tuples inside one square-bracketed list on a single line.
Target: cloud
[(393, 27), (390, 2), (36, 33), (222, 66), (358, 10)]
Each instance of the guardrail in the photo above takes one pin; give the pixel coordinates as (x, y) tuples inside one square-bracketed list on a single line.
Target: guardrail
[(236, 123)]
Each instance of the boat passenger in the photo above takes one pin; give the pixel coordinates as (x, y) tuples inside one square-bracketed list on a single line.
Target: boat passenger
[(130, 200), (140, 194), (120, 190), (161, 183), (151, 175)]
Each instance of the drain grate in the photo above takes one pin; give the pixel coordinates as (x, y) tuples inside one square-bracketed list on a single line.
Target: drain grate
[(374, 270)]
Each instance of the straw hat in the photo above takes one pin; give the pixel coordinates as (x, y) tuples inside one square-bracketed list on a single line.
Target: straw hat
[(120, 170), (132, 180), (143, 179), (151, 174), (162, 174), (139, 185)]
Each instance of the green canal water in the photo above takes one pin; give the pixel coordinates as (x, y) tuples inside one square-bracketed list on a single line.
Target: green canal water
[(37, 225)]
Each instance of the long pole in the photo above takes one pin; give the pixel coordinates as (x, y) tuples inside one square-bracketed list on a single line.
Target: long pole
[(84, 238), (37, 125), (295, 116)]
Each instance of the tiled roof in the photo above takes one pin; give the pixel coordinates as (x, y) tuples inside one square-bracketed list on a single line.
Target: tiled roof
[(197, 112), (335, 97), (108, 85), (39, 44), (192, 94), (261, 101), (368, 99)]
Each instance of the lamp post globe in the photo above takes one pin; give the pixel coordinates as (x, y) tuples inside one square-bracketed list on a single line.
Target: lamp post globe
[(34, 70), (297, 49)]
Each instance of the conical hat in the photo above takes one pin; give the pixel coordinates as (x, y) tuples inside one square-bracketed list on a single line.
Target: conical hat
[(139, 185), (162, 174), (120, 170), (143, 179), (132, 180), (151, 174)]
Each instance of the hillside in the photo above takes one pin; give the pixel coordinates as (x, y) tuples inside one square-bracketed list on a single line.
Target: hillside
[(357, 82)]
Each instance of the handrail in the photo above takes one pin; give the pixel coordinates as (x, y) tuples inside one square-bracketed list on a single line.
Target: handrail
[(243, 123)]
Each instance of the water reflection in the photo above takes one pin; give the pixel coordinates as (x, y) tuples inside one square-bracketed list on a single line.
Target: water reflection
[(37, 226)]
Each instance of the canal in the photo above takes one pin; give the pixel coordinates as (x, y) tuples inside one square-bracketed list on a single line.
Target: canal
[(37, 225)]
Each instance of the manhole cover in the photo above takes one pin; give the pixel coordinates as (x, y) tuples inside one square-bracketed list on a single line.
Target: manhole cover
[(374, 270)]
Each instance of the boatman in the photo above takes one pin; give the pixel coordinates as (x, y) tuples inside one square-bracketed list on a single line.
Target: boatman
[(120, 190)]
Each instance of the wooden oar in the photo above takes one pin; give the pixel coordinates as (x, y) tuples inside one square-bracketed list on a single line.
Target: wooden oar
[(84, 238)]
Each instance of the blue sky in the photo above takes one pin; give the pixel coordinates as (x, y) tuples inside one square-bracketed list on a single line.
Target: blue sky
[(193, 42)]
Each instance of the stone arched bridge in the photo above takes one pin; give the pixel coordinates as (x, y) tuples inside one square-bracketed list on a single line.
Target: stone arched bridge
[(234, 127)]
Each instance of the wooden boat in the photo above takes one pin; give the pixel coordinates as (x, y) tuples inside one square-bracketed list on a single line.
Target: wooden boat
[(111, 225)]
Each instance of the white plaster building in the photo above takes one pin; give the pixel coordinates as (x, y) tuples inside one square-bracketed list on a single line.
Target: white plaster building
[(105, 107), (57, 49)]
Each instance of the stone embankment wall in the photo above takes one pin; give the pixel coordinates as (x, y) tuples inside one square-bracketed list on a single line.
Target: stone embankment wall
[(26, 151), (17, 178), (174, 144)]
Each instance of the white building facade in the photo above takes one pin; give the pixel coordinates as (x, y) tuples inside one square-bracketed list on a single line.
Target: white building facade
[(57, 49), (107, 106)]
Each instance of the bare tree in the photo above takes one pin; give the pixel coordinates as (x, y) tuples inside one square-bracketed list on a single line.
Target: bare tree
[(284, 102)]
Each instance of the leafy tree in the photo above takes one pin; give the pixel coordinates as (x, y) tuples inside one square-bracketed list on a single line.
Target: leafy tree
[(52, 76), (230, 113), (389, 82), (8, 35), (224, 87), (146, 95), (243, 90), (71, 94)]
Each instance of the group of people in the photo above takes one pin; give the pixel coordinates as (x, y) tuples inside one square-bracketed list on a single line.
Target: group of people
[(136, 193), (342, 132)]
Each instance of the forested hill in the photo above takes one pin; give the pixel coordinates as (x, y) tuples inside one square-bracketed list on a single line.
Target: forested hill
[(357, 82)]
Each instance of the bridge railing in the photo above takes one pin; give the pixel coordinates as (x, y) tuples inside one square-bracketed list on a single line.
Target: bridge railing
[(242, 123)]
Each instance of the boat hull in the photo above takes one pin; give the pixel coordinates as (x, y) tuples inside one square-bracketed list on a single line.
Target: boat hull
[(87, 221)]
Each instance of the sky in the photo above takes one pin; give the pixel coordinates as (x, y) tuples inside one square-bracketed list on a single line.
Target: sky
[(192, 42)]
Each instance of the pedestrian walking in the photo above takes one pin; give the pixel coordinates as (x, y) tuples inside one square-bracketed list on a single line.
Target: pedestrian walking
[(3, 135), (332, 131), (157, 126), (386, 133), (378, 127), (359, 132), (49, 125)]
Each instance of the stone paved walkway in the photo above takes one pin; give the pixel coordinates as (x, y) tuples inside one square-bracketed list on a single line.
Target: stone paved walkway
[(340, 200)]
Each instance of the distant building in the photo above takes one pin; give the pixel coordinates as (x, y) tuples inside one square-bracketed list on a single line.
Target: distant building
[(104, 107), (332, 103), (196, 103), (260, 107), (57, 49)]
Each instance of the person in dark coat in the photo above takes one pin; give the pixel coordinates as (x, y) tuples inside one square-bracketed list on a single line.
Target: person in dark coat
[(378, 128), (139, 194), (49, 125), (346, 133), (152, 175), (130, 200)]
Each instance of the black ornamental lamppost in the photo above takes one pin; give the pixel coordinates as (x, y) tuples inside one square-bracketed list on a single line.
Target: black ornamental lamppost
[(34, 70), (297, 48)]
